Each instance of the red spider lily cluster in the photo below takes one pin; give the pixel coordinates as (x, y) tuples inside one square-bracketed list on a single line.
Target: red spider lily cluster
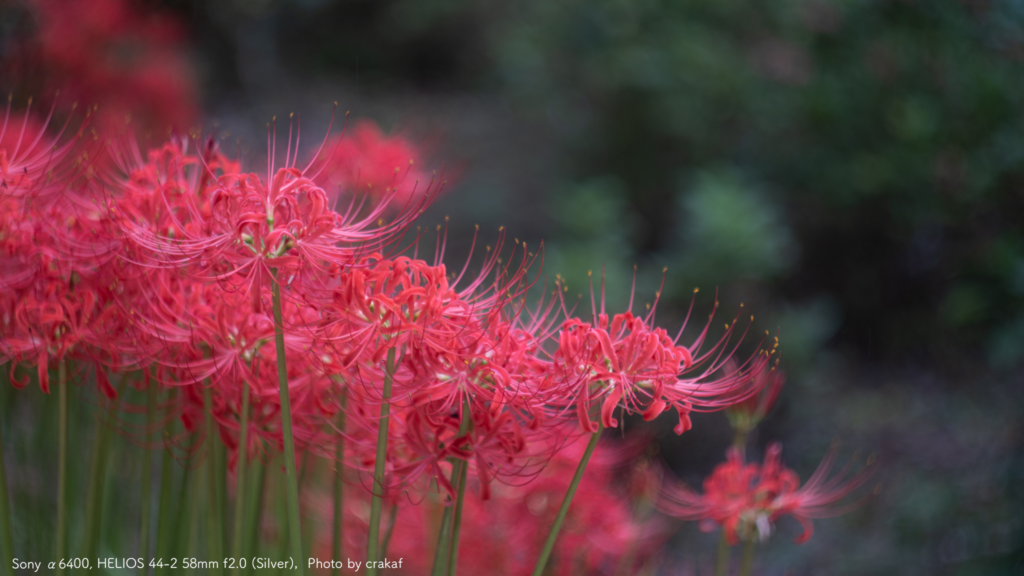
[(166, 260), (166, 263), (289, 311)]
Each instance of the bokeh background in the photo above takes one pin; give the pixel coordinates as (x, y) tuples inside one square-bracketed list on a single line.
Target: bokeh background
[(852, 171)]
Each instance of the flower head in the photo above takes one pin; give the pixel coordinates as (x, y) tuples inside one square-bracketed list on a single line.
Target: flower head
[(627, 363), (747, 499), (365, 161)]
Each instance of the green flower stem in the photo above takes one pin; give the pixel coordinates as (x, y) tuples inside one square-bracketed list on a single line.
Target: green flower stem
[(255, 510), (722, 565), (453, 551), (165, 522), (739, 441), (748, 558), (6, 541), (187, 501), (240, 500), (221, 452), (549, 544), (339, 487), (214, 545), (97, 478), (291, 477), (442, 538), (62, 467), (147, 480), (378, 465), (392, 518), (192, 549)]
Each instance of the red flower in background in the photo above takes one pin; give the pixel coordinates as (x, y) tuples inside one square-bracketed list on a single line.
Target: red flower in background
[(365, 161), (113, 55), (747, 499)]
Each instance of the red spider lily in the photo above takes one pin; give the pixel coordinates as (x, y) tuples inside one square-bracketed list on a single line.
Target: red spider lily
[(460, 347), (201, 216), (747, 499), (54, 300), (365, 161), (627, 363), (456, 341), (201, 335)]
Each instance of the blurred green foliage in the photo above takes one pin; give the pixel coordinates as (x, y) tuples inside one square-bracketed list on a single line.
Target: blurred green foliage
[(890, 134)]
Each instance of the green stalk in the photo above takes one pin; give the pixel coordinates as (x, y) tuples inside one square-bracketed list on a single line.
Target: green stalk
[(220, 450), (549, 544), (193, 524), (97, 476), (453, 551), (255, 509), (147, 480), (748, 558), (378, 465), (6, 542), (291, 478), (740, 441), (392, 517), (442, 538), (186, 502), (164, 523), (214, 546), (62, 467), (722, 566), (281, 518), (339, 487), (240, 501)]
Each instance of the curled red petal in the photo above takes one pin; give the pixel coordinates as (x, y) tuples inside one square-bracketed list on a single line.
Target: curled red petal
[(684, 421), (608, 408)]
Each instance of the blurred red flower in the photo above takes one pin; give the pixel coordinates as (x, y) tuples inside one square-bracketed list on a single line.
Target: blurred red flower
[(747, 499)]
